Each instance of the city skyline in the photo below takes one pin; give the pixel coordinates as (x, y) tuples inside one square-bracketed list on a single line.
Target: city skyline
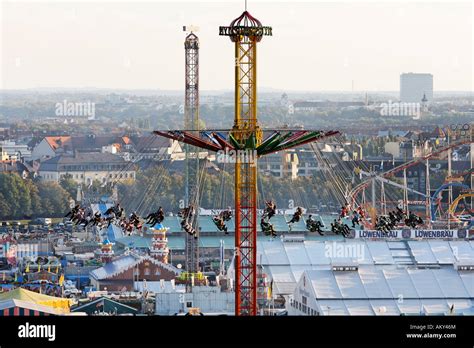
[(122, 45)]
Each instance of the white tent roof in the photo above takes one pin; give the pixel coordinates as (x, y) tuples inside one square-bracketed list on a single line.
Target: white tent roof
[(324, 284), (374, 282), (372, 291), (422, 252), (284, 262)]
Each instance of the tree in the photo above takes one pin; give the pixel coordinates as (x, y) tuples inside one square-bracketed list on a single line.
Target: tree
[(54, 199), (5, 210), (36, 208), (68, 183), (10, 193), (24, 199), (15, 195)]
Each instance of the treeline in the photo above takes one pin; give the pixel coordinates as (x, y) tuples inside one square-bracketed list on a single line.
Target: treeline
[(26, 199), (156, 187)]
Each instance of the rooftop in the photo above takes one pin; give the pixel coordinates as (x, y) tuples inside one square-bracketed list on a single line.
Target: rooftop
[(57, 142), (375, 291), (80, 159), (124, 263)]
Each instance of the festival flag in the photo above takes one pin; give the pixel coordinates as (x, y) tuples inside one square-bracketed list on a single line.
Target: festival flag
[(61, 280)]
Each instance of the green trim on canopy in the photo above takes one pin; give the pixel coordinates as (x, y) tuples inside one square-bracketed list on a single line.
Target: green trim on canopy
[(251, 142), (234, 142)]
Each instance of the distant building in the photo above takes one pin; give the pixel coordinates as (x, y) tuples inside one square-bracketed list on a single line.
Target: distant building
[(22, 169), (411, 149), (415, 87), (55, 145), (4, 133), (100, 143), (51, 146), (171, 299), (303, 162), (393, 148), (392, 133), (85, 168), (156, 148), (308, 106), (14, 150), (3, 155), (280, 164), (130, 148), (308, 164), (352, 152)]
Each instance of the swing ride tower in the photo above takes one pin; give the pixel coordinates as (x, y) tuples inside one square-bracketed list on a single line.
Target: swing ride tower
[(245, 32), (248, 141), (191, 122)]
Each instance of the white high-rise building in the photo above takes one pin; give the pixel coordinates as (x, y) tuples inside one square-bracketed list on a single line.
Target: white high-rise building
[(413, 86)]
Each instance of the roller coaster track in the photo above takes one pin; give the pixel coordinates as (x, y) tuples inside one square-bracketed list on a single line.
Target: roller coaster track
[(454, 204), (389, 173)]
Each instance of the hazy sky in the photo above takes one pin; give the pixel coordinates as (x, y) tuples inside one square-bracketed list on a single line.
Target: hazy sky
[(317, 46)]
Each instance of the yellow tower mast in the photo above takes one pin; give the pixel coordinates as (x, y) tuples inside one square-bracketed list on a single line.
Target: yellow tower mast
[(246, 31)]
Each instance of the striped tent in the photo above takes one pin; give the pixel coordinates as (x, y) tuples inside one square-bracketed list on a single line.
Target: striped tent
[(62, 304), (15, 307)]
